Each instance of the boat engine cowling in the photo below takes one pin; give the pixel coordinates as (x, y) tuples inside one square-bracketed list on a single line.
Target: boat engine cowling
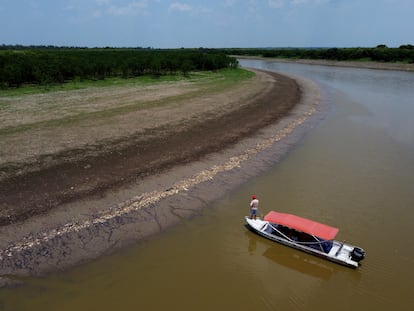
[(357, 254)]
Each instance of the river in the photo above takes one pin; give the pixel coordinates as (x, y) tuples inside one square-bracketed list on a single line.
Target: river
[(354, 170)]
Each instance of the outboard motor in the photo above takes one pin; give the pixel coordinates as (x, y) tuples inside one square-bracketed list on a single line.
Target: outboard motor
[(357, 254)]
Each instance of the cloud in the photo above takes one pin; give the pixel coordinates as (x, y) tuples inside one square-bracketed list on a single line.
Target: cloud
[(299, 2), (130, 9), (276, 4), (102, 2), (187, 8), (182, 7), (311, 2)]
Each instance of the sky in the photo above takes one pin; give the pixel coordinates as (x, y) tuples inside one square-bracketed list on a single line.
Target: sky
[(208, 24)]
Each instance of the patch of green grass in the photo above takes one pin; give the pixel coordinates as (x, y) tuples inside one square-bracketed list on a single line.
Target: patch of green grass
[(211, 82), (78, 85), (201, 76)]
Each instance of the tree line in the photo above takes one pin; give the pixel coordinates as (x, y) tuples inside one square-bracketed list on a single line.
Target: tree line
[(381, 53), (19, 66)]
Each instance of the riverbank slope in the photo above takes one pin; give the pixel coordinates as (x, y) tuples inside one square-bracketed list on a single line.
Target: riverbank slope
[(144, 186)]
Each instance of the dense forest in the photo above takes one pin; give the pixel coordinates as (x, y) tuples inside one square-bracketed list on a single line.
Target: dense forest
[(381, 53), (21, 65), (44, 65)]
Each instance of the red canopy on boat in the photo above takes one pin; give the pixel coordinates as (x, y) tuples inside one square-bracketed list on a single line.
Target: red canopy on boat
[(302, 224)]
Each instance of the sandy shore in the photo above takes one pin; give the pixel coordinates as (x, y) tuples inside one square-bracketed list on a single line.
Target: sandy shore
[(91, 226)]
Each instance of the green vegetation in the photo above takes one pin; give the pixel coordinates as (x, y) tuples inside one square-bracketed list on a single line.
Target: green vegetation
[(44, 66), (381, 53), (226, 76), (77, 84), (48, 66), (204, 82)]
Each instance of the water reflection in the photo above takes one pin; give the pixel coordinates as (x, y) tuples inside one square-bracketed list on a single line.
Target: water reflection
[(301, 263), (252, 242), (290, 258), (305, 264)]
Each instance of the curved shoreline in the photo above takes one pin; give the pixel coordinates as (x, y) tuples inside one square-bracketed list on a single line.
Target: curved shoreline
[(125, 147), (162, 202), (350, 64)]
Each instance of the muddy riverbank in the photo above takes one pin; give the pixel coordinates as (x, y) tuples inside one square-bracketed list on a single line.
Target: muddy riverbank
[(129, 194)]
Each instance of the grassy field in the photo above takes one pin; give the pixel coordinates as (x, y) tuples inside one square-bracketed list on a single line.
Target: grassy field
[(223, 75), (39, 126), (32, 107)]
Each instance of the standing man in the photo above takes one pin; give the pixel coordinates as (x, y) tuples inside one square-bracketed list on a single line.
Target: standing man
[(254, 206)]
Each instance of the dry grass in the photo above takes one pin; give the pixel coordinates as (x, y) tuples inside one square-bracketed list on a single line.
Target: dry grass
[(35, 127)]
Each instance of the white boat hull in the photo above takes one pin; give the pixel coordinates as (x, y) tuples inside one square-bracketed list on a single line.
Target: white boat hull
[(339, 253)]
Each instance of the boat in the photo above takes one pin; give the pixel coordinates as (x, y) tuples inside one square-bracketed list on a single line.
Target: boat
[(306, 235)]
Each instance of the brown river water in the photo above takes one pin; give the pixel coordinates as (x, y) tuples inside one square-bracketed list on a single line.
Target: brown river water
[(353, 170)]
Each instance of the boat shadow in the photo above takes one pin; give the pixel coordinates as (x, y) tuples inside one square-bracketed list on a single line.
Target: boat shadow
[(300, 263)]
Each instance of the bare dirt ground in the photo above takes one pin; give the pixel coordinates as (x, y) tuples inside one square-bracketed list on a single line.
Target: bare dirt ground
[(61, 147)]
